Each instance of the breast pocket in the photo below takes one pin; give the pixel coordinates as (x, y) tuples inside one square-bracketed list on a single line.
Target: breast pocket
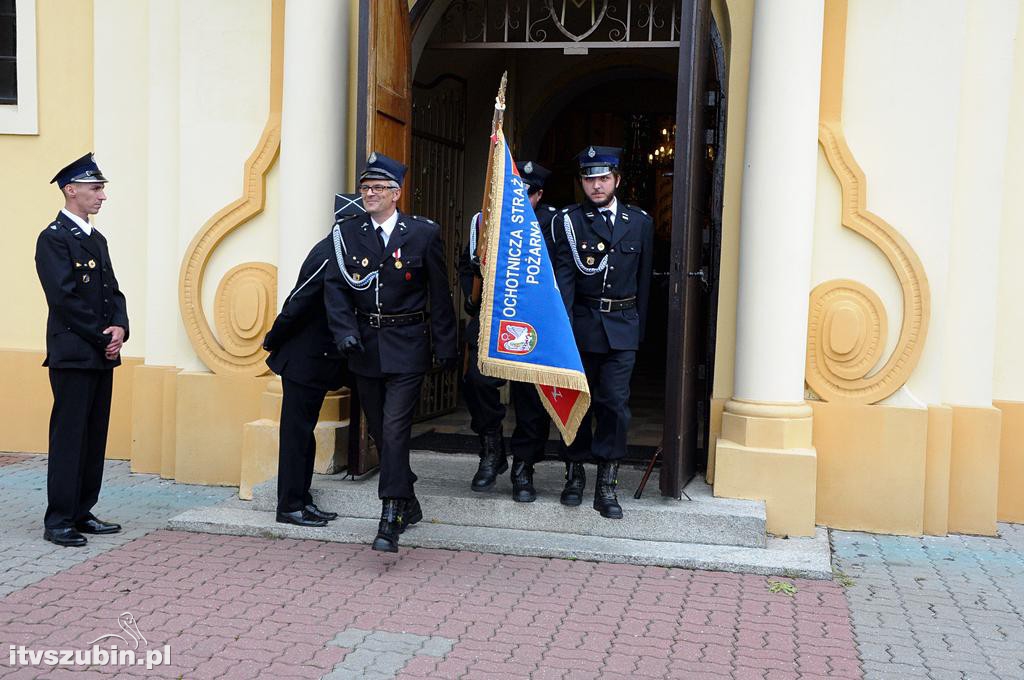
[(630, 247), (359, 265), (85, 275), (412, 265)]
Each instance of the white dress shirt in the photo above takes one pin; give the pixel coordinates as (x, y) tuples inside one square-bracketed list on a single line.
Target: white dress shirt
[(387, 226), (82, 224)]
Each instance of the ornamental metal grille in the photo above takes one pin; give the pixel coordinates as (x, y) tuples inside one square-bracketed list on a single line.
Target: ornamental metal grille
[(560, 24)]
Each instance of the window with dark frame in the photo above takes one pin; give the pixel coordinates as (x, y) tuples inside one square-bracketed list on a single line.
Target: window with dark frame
[(8, 53)]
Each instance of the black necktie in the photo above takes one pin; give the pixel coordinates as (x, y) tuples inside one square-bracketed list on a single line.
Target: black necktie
[(380, 237), (607, 215)]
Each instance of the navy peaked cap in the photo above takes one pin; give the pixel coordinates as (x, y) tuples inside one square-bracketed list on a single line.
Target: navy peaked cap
[(598, 160), (379, 166), (534, 174), (82, 170)]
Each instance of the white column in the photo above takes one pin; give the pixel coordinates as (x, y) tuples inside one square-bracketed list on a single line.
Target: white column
[(982, 138), (313, 128), (165, 335), (777, 202)]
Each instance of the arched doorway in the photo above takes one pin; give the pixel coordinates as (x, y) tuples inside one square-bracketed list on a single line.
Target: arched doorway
[(630, 76)]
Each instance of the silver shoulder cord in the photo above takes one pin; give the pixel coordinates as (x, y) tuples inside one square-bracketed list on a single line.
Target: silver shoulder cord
[(340, 250), (570, 234)]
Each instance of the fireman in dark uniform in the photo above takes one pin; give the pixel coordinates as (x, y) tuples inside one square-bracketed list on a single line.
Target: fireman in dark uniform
[(303, 353), (85, 330), (603, 267), (388, 305), (482, 397)]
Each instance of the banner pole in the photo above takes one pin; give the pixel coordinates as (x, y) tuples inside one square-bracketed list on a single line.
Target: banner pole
[(481, 241)]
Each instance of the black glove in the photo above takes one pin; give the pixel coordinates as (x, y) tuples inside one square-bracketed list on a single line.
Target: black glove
[(350, 345), (449, 363), (471, 309)]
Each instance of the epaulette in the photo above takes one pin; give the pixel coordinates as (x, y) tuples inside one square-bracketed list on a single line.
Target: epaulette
[(569, 208), (424, 219), (53, 225), (345, 217), (552, 208), (641, 210)]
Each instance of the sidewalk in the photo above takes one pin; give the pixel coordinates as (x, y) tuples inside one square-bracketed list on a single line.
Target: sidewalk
[(249, 607)]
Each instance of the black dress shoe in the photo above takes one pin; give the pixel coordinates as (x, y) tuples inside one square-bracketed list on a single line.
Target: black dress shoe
[(320, 514), (65, 536), (97, 526), (300, 518)]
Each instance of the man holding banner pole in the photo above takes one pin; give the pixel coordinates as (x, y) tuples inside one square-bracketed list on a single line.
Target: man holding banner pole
[(482, 392), (604, 266), (525, 334)]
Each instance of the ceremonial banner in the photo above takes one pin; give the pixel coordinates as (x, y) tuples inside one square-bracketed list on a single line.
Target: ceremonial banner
[(525, 333)]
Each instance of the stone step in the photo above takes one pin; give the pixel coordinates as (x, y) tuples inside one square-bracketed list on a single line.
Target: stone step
[(444, 493), (794, 557)]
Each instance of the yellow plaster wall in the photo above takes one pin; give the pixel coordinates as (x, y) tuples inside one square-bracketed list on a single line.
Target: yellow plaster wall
[(974, 470), (148, 406), (211, 412), (64, 65), (1011, 462), (936, 491), (26, 400), (784, 480), (871, 467)]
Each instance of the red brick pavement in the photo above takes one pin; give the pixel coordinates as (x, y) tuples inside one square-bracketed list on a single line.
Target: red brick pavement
[(235, 607)]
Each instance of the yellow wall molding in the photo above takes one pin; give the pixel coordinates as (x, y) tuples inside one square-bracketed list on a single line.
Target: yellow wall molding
[(936, 485), (238, 353), (974, 470), (1011, 462), (846, 320)]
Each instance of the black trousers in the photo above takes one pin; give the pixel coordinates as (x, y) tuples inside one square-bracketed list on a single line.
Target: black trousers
[(533, 425), (608, 375), (78, 443), (300, 408), (389, 403)]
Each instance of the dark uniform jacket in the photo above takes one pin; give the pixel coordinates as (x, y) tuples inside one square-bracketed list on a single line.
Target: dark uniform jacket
[(468, 269), (300, 343), (411, 277), (82, 295), (629, 247)]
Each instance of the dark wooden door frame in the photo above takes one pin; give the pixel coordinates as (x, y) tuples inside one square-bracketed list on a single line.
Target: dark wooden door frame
[(679, 457)]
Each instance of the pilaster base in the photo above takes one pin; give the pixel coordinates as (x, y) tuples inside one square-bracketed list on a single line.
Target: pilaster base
[(1011, 462), (974, 470), (260, 451)]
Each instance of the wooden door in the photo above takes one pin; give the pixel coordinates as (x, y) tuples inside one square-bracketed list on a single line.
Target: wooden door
[(688, 282)]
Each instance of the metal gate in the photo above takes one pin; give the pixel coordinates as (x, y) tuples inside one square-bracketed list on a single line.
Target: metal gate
[(438, 157)]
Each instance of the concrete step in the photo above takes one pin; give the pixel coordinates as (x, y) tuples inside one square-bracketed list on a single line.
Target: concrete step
[(444, 493), (794, 557)]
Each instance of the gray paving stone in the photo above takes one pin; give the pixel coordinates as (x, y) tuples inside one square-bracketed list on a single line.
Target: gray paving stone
[(951, 606), (436, 646)]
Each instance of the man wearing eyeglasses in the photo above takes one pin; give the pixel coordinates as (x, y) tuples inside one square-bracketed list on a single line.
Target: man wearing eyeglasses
[(388, 305)]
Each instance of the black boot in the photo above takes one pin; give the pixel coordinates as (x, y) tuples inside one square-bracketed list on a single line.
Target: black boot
[(605, 500), (522, 482), (390, 525), (575, 483), (413, 513), (492, 461)]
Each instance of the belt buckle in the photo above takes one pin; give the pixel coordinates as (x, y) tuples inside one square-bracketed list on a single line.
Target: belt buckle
[(606, 305), (374, 320)]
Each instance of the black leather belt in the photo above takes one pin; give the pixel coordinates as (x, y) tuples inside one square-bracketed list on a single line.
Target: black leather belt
[(387, 320), (606, 305)]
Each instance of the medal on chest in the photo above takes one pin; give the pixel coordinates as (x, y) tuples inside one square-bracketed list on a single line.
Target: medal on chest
[(398, 261)]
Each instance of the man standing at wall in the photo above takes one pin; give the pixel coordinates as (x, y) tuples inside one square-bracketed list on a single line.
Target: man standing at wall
[(303, 353), (482, 392), (603, 267), (388, 302), (86, 326)]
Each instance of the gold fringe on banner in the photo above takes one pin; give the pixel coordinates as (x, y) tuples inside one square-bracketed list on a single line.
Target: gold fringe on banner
[(503, 368)]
